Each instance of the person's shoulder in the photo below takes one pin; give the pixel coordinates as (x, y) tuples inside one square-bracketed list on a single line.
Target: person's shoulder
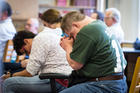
[(40, 35), (96, 24)]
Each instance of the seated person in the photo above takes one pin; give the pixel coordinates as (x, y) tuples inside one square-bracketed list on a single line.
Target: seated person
[(32, 25), (97, 15), (45, 56), (112, 19), (13, 67), (95, 56)]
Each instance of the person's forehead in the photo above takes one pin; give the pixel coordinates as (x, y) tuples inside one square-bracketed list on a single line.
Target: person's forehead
[(108, 13), (29, 21), (94, 14)]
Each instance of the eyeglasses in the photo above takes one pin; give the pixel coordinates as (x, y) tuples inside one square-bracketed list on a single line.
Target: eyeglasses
[(29, 25), (107, 18)]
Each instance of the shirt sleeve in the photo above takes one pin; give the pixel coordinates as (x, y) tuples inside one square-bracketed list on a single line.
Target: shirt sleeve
[(81, 49), (37, 56)]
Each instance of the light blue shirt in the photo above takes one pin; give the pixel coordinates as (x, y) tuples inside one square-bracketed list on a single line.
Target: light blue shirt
[(7, 30)]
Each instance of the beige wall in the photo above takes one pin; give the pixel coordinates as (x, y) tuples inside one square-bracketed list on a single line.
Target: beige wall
[(24, 9)]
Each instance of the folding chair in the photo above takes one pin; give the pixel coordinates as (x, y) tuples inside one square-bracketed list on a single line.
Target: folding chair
[(8, 51), (135, 84), (11, 59)]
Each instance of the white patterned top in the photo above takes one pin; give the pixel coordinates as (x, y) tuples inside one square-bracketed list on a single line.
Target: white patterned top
[(46, 54)]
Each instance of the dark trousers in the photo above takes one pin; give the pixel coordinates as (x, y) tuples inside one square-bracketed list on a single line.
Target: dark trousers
[(12, 67)]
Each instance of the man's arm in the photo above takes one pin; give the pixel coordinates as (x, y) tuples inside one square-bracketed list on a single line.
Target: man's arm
[(21, 73), (74, 64), (66, 44)]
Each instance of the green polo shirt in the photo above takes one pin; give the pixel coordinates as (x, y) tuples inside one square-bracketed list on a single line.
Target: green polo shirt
[(94, 49)]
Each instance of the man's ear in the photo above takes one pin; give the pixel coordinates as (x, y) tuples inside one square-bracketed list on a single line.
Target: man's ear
[(75, 24), (26, 41)]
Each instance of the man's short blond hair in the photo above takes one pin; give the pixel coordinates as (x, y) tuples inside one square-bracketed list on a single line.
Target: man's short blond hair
[(70, 17)]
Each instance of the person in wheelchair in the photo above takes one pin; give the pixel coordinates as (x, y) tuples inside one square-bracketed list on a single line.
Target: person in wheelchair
[(95, 56)]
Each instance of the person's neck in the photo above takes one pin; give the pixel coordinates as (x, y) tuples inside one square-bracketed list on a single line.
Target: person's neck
[(56, 25), (86, 21), (81, 24)]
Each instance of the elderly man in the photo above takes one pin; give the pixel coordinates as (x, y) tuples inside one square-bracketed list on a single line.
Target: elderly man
[(112, 20), (32, 25), (7, 29), (95, 56)]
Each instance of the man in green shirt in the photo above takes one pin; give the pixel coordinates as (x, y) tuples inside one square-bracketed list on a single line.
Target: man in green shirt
[(95, 56)]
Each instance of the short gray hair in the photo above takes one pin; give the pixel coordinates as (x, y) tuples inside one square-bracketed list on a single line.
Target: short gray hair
[(115, 14), (70, 17)]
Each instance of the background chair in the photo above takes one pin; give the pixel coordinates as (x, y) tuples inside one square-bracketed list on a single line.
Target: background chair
[(10, 59), (135, 84), (8, 51)]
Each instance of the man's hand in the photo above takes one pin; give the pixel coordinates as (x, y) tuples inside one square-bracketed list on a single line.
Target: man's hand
[(24, 73), (66, 43), (5, 76), (24, 63)]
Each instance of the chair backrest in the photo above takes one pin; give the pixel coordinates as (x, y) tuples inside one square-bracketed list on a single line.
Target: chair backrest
[(8, 51), (135, 83)]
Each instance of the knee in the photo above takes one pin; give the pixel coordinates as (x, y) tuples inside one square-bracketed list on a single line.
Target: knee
[(9, 82), (7, 85)]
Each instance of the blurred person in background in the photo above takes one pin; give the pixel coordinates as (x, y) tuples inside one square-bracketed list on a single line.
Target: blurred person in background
[(7, 29), (32, 25), (112, 20), (97, 15)]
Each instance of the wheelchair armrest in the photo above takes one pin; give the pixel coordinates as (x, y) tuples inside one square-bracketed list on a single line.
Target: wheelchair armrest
[(53, 76)]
